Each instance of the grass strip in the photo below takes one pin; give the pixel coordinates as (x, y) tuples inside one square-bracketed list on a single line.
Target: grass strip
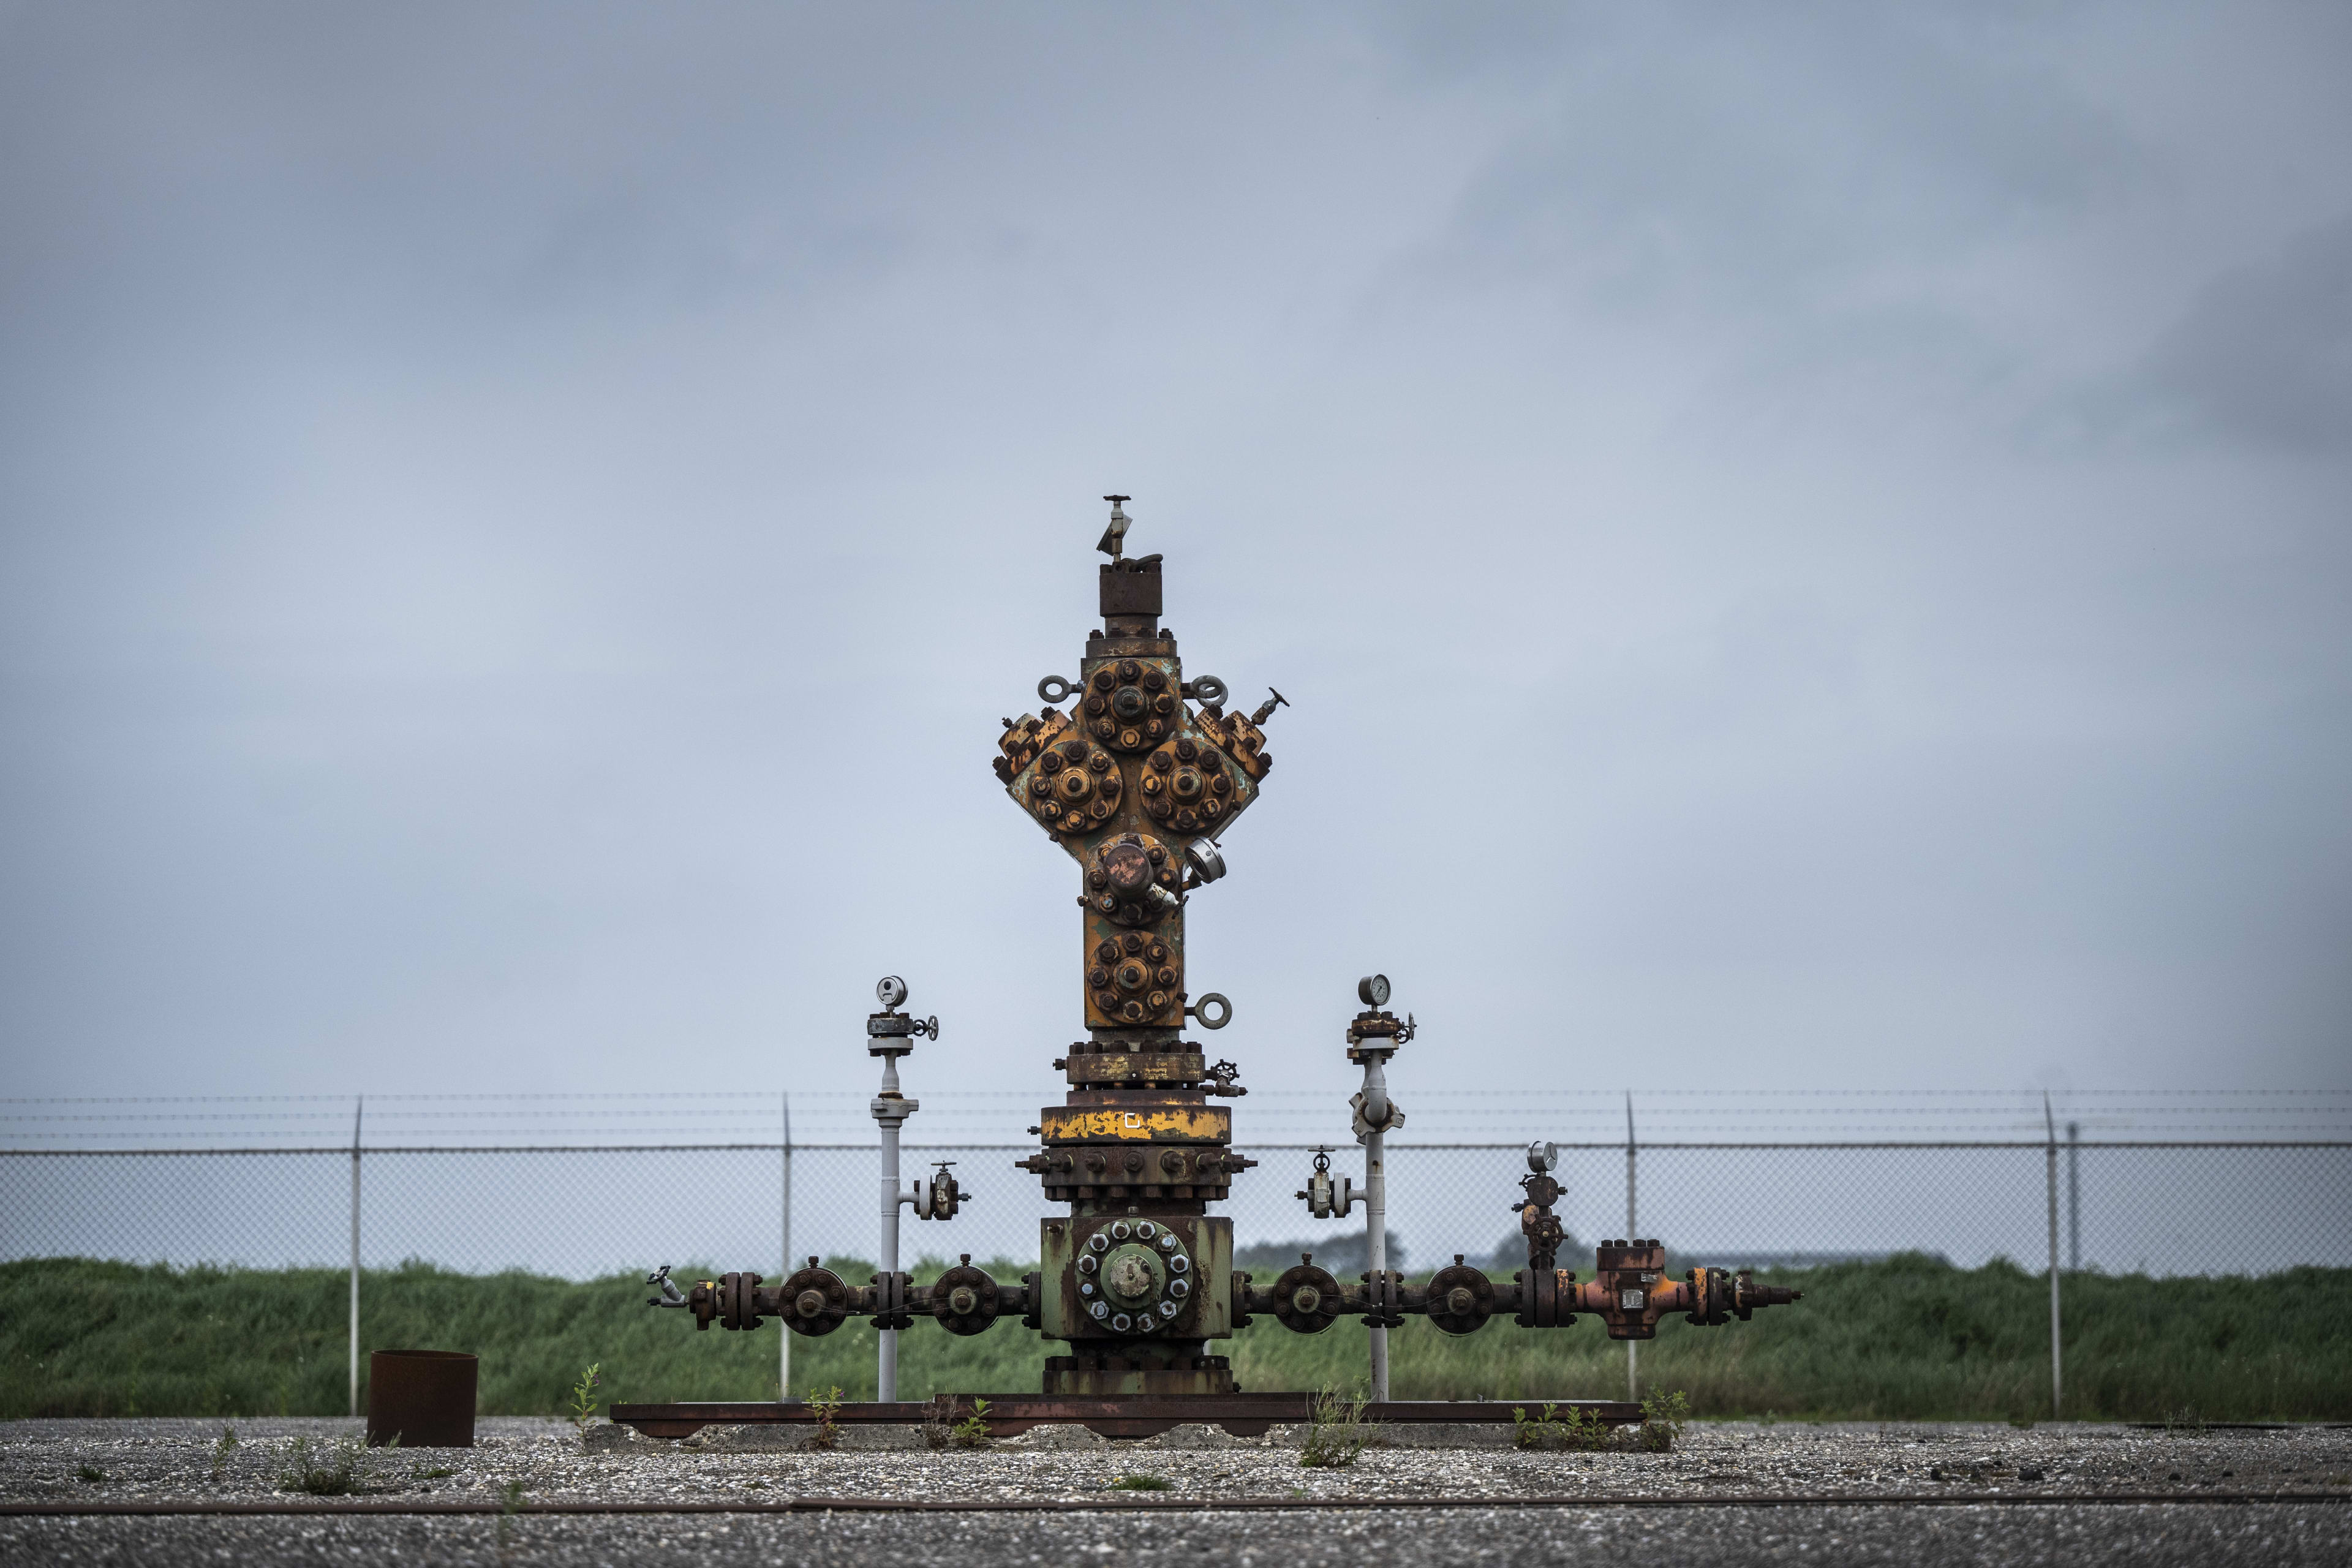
[(1905, 1339)]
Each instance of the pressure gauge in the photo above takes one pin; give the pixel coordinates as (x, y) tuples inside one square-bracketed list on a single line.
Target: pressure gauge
[(1374, 990), (891, 990)]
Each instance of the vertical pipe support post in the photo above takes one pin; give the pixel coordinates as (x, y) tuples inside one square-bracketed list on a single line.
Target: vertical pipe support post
[(785, 1341), (1632, 1228), (2057, 1378), (890, 1034), (1376, 1206), (890, 1109), (359, 1111), (1373, 1036)]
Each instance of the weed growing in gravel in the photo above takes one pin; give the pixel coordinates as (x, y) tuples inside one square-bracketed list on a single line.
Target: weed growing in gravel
[(222, 1452), (333, 1472), (582, 1411), (436, 1473), (91, 1473), (972, 1432), (510, 1504), (1142, 1484), (826, 1408), (1336, 1432), (1664, 1416), (1580, 1429)]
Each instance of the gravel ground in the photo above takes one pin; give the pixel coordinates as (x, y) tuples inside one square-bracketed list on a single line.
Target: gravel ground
[(173, 1459)]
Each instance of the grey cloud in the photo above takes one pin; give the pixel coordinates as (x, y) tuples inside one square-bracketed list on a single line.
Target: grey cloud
[(1740, 161), (2264, 353), (516, 527)]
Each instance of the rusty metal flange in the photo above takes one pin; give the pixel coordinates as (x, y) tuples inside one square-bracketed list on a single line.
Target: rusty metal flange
[(1461, 1298), (815, 1301), (1306, 1299), (964, 1299)]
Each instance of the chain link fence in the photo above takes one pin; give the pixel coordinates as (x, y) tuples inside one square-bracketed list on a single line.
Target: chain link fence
[(590, 1186), (585, 1212)]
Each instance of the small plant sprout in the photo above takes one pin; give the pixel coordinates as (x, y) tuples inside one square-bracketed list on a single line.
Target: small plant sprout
[(223, 1451), (1664, 1416), (826, 1408), (1142, 1484), (582, 1411), (972, 1432)]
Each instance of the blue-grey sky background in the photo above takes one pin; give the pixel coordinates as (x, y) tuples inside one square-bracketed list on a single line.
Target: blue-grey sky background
[(1811, 546)]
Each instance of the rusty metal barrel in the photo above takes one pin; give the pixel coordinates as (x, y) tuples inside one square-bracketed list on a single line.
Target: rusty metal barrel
[(424, 1399)]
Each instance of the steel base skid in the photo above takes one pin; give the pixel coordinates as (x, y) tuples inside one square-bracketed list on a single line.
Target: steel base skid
[(1242, 1415)]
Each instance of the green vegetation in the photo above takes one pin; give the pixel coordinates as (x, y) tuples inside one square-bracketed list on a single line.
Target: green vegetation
[(972, 1432), (582, 1411), (1580, 1429), (826, 1408), (1336, 1432), (1908, 1337), (1142, 1484), (333, 1471), (1664, 1416)]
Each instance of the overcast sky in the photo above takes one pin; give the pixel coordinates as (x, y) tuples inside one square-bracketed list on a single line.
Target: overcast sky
[(1808, 545)]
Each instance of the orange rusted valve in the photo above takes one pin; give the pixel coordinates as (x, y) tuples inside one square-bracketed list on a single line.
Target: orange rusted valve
[(1631, 1292)]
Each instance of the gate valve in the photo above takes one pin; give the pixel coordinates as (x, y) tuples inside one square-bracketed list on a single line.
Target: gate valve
[(1220, 1081), (940, 1197), (1328, 1199), (1265, 708)]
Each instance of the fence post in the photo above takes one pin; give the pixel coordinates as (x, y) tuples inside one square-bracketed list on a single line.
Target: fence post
[(359, 1110), (2074, 1198), (1633, 1348), (784, 1336), (2057, 1381)]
